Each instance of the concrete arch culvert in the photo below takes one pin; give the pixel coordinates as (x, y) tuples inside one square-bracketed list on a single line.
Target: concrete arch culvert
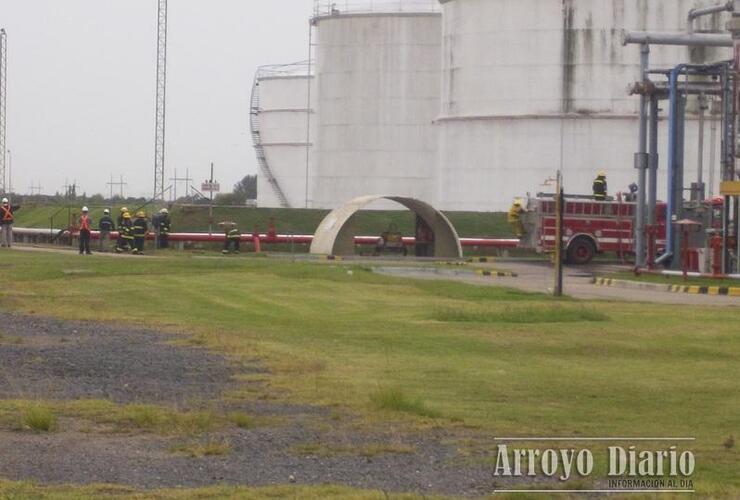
[(333, 236)]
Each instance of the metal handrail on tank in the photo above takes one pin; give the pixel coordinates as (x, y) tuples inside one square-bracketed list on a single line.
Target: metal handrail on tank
[(301, 68), (324, 8)]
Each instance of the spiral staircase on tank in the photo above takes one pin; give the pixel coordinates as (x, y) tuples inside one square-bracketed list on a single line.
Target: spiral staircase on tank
[(254, 125)]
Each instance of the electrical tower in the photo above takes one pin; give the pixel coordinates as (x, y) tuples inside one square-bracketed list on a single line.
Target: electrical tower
[(3, 107), (159, 140)]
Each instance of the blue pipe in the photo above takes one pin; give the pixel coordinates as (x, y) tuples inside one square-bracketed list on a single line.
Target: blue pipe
[(672, 126)]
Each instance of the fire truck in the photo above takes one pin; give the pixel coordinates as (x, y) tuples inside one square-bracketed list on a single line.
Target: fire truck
[(593, 227)]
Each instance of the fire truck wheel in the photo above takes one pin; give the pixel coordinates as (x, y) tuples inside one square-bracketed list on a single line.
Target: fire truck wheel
[(581, 251)]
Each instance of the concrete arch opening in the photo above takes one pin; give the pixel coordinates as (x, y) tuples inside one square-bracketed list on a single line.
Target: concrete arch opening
[(334, 236)]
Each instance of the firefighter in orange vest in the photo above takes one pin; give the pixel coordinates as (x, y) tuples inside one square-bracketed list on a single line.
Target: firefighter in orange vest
[(7, 217), (85, 224)]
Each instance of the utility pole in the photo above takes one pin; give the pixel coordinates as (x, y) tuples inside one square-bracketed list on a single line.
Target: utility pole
[(159, 139), (177, 179), (210, 206), (35, 189), (3, 106), (559, 209), (120, 184)]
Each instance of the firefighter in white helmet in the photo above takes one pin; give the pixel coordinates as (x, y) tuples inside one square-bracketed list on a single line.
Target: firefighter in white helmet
[(85, 224), (7, 218)]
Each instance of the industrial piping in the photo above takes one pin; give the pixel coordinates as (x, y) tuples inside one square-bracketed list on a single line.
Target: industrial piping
[(698, 12), (276, 238), (676, 38)]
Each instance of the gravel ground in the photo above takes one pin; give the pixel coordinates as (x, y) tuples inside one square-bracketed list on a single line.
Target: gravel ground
[(67, 360), (50, 359)]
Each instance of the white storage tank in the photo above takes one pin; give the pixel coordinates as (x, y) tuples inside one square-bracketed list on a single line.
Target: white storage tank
[(280, 114), (377, 70), (530, 85)]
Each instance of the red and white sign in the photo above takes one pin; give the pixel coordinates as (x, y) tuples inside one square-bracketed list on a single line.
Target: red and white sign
[(210, 187)]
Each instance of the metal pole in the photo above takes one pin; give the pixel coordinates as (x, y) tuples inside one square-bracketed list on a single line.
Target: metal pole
[(713, 148), (654, 161), (309, 108), (559, 209), (641, 163), (210, 206), (700, 160)]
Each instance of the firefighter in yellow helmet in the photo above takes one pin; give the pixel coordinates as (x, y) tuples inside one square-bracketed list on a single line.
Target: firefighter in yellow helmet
[(125, 233), (515, 217), (140, 229)]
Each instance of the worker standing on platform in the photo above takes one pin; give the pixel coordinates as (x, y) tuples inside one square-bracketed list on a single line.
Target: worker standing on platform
[(600, 187), (140, 228), (7, 218), (233, 236), (85, 225), (515, 218), (125, 233), (163, 227), (106, 226)]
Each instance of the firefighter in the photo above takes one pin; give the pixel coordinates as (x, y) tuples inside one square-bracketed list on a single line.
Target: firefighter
[(515, 218), (140, 228), (125, 233), (163, 226), (85, 225), (7, 218), (232, 238), (600, 187), (106, 226), (124, 210)]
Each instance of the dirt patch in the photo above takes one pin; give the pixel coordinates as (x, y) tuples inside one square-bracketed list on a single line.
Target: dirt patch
[(48, 359)]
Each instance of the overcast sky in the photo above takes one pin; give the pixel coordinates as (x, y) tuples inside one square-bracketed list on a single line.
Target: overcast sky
[(81, 86)]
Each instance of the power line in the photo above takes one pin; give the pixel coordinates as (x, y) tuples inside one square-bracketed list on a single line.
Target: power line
[(187, 180), (120, 184), (35, 189)]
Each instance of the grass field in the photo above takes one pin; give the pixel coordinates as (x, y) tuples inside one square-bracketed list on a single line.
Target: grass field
[(287, 221), (495, 360)]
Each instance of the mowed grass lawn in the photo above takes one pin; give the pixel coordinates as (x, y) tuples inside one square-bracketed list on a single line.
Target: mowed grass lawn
[(500, 361)]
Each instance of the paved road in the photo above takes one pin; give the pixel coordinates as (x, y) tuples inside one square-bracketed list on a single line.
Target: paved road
[(538, 277)]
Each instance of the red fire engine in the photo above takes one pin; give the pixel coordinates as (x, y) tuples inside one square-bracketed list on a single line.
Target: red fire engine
[(591, 227)]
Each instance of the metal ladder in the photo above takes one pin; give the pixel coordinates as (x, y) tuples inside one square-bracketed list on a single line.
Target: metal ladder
[(254, 122)]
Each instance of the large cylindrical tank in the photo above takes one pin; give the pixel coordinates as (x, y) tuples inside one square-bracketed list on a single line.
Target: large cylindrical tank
[(530, 86), (377, 94), (279, 122)]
